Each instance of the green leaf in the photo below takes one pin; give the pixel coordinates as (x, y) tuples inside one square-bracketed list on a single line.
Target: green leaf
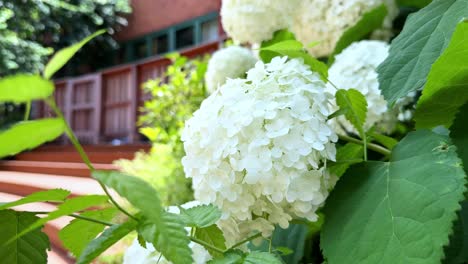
[(260, 258), (76, 235), (64, 55), (346, 156), (447, 83), (230, 257), (457, 251), (278, 36), (24, 88), (168, 237), (424, 37), (200, 216), (387, 141), (55, 195), (20, 137), (369, 22), (355, 106), (414, 3), (213, 236), (284, 251), (295, 49), (31, 248), (459, 135), (68, 207), (399, 211), (109, 237)]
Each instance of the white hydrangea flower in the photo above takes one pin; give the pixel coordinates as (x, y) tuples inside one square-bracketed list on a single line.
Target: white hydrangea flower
[(326, 21), (257, 148), (136, 254), (253, 21), (231, 62), (355, 68)]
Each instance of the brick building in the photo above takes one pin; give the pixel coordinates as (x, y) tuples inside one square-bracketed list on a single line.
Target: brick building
[(102, 106)]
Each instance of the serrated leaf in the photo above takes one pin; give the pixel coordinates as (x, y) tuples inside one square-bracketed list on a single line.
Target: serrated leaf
[(369, 22), (230, 257), (31, 248), (295, 49), (447, 83), (54, 195), (457, 251), (278, 36), (354, 105), (414, 3), (76, 235), (261, 258), (24, 88), (68, 207), (147, 200), (213, 236), (64, 55), (109, 237), (200, 216), (20, 137), (396, 212), (425, 36), (346, 156), (168, 237)]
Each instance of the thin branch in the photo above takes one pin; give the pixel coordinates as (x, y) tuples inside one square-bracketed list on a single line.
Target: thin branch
[(83, 155), (206, 245), (246, 240), (371, 146), (83, 218)]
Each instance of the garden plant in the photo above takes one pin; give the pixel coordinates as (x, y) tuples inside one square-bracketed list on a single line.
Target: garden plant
[(336, 146)]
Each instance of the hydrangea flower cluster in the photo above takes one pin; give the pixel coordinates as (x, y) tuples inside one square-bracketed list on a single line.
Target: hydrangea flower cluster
[(326, 20), (355, 68), (257, 148), (253, 21), (230, 62), (138, 254)]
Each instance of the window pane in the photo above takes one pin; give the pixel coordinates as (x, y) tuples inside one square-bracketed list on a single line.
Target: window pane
[(140, 49), (160, 45), (210, 30), (184, 37)]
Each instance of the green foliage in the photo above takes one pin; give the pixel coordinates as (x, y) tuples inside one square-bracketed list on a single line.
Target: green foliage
[(76, 235), (459, 134), (230, 257), (54, 195), (378, 194), (109, 237), (200, 216), (424, 37), (238, 257), (294, 49), (346, 156), (45, 130), (169, 237), (354, 106), (24, 88), (369, 22), (386, 141), (213, 236), (31, 248), (63, 56), (457, 251), (68, 207), (278, 36), (447, 83), (414, 3)]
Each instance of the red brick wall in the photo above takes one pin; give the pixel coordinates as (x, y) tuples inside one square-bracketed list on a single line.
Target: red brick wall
[(153, 15)]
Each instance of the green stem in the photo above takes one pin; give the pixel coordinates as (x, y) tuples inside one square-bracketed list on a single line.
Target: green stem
[(364, 141), (28, 111), (206, 245), (83, 155), (83, 218), (370, 146), (246, 240)]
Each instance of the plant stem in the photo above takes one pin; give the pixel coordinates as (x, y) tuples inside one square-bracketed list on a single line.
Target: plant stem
[(83, 218), (27, 113), (246, 240), (370, 146), (83, 155), (206, 245)]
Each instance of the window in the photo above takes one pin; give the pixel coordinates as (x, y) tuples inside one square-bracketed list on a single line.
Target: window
[(140, 49), (160, 44), (209, 30), (185, 37)]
